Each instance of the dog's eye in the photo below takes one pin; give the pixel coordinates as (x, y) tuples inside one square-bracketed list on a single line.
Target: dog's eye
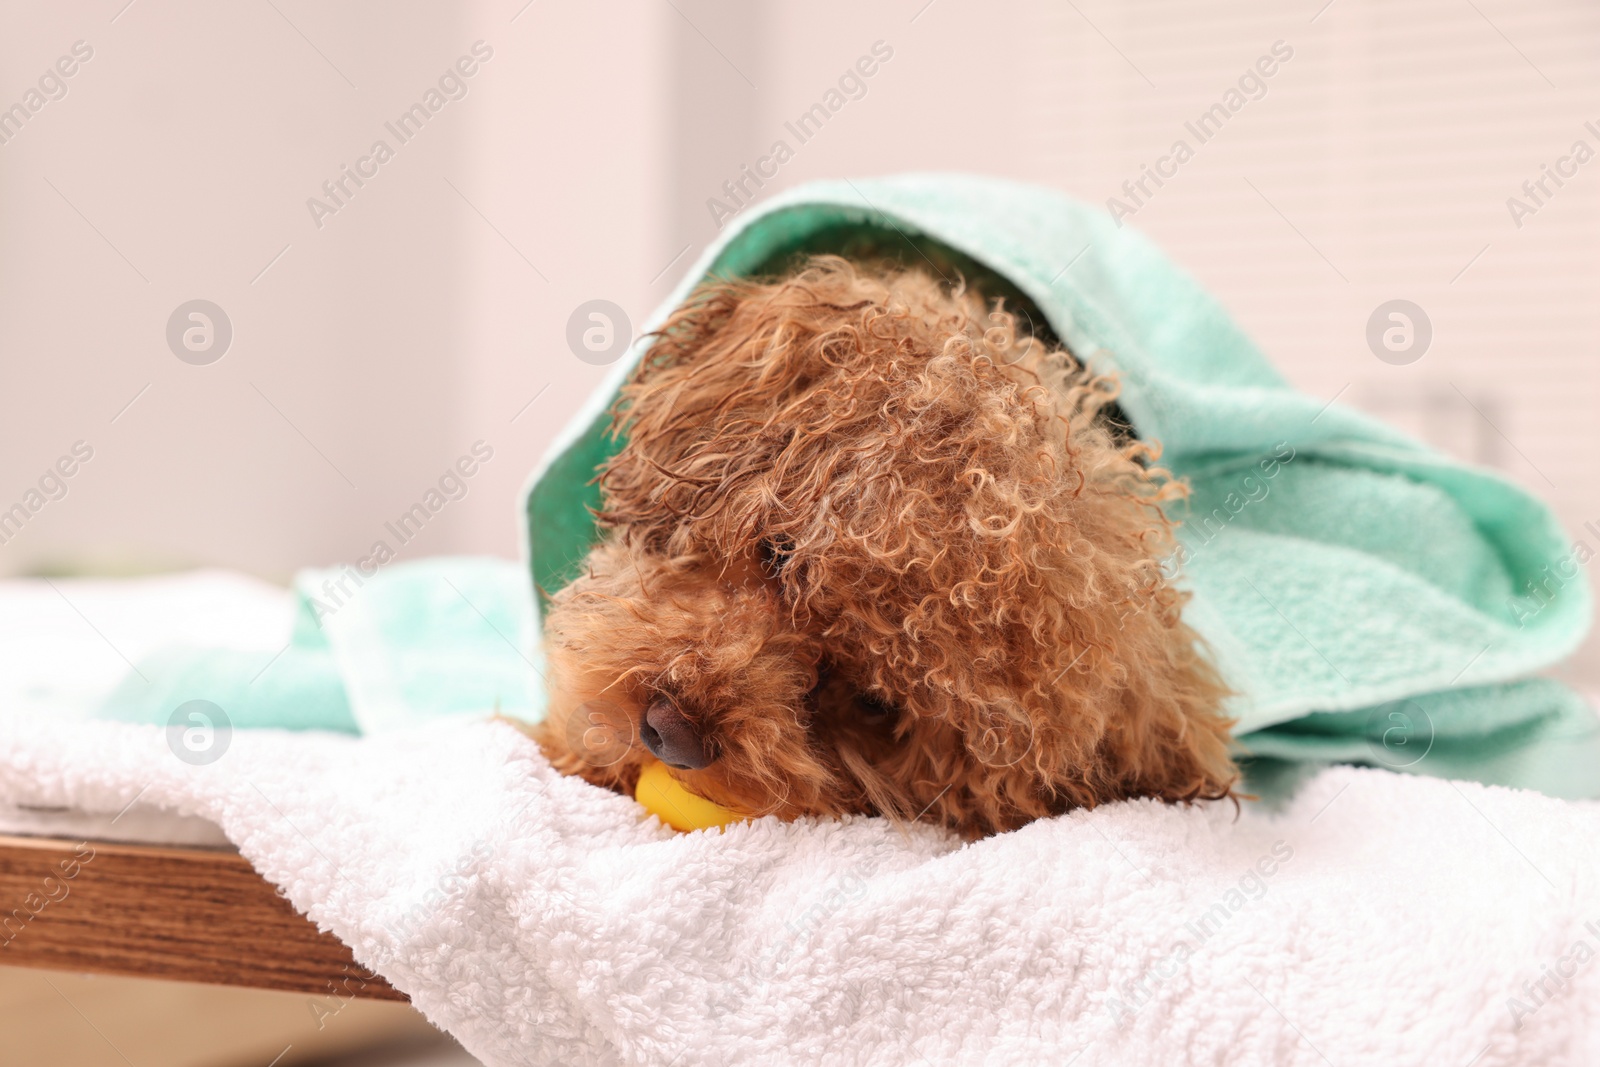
[(874, 712), (775, 556)]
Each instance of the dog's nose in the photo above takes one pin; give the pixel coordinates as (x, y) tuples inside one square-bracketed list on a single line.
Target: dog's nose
[(672, 738)]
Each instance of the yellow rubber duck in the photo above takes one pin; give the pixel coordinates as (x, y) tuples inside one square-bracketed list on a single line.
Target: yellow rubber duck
[(663, 796)]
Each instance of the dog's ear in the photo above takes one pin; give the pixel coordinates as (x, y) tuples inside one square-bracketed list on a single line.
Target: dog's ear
[(688, 414), (747, 388)]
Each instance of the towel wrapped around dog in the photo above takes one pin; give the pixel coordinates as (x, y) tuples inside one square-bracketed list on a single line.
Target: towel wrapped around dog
[(1369, 598)]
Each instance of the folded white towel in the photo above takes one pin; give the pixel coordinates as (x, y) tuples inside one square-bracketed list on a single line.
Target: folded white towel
[(1380, 919)]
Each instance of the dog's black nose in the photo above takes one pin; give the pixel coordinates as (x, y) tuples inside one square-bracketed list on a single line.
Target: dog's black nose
[(668, 734)]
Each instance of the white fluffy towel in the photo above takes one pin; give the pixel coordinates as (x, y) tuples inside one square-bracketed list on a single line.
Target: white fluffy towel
[(1380, 919)]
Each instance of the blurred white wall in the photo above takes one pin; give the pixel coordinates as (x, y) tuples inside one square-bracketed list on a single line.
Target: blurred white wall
[(1375, 164), (371, 347)]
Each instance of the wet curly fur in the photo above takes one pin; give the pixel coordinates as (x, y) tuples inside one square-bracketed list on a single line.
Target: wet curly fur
[(874, 549)]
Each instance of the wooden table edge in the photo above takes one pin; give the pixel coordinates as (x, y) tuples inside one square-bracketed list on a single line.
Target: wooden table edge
[(164, 911)]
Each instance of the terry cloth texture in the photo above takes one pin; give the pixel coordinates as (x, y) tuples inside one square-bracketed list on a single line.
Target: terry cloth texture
[(1380, 919), (1364, 593)]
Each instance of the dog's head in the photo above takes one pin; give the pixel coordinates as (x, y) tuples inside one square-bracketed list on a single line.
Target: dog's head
[(696, 661), (868, 548)]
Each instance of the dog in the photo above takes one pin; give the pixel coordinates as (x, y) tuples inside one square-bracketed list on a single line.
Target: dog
[(871, 547)]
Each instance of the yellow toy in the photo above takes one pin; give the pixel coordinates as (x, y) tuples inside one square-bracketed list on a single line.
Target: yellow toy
[(663, 796)]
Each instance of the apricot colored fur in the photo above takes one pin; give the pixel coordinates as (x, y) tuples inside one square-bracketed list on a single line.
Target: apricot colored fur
[(879, 548)]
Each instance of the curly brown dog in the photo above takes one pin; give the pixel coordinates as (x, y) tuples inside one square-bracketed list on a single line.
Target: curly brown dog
[(870, 548)]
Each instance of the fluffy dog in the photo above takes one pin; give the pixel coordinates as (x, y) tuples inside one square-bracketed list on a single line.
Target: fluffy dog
[(869, 547)]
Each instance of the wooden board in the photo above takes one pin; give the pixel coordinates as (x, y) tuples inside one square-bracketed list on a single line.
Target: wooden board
[(187, 914)]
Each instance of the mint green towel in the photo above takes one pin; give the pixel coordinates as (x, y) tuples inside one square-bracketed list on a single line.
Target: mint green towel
[(411, 643), (299, 688), (1357, 587)]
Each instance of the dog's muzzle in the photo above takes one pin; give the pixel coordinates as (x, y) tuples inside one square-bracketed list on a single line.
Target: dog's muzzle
[(672, 738)]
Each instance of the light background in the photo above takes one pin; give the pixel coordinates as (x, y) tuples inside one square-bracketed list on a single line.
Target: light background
[(371, 352)]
